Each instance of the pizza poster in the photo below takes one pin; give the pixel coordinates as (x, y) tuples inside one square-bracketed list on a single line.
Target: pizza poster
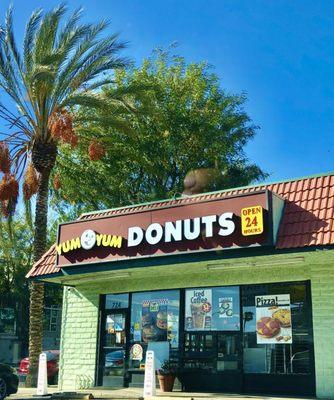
[(154, 320), (198, 310), (273, 319)]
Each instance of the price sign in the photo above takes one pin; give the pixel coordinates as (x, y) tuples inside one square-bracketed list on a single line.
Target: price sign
[(149, 379), (252, 221)]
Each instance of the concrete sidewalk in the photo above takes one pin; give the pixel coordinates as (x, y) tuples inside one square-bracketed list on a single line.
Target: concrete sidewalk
[(137, 393)]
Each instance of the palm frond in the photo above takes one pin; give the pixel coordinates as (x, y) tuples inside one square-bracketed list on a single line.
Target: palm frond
[(14, 120), (8, 77), (46, 34), (29, 39), (84, 99), (10, 37), (11, 66), (77, 39), (98, 84), (42, 76), (69, 27), (84, 38)]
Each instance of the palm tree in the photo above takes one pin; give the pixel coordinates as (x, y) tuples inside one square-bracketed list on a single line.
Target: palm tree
[(61, 65)]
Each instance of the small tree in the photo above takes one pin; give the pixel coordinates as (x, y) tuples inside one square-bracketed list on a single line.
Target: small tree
[(16, 250), (185, 121)]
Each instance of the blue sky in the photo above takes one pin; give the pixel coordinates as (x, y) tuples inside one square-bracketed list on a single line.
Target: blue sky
[(280, 52)]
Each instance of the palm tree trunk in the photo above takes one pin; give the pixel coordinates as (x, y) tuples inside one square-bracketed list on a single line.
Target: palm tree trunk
[(37, 288)]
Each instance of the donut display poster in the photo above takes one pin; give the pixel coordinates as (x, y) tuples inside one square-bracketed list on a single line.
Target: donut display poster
[(154, 320), (273, 319)]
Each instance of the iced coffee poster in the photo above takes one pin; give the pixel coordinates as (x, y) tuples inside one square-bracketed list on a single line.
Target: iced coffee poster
[(198, 310), (154, 320), (273, 319)]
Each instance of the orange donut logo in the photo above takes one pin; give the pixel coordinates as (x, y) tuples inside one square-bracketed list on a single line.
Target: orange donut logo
[(206, 307)]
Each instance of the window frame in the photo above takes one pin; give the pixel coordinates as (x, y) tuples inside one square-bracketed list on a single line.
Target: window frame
[(183, 332)]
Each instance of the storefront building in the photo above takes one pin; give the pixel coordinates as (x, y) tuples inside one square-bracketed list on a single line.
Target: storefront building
[(235, 287)]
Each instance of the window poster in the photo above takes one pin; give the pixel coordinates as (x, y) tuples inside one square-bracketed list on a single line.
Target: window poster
[(161, 352), (173, 329), (198, 309), (154, 320), (226, 308), (273, 319), (115, 323), (136, 352), (213, 309)]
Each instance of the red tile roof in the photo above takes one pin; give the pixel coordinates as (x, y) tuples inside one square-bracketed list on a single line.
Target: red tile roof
[(45, 265), (307, 219)]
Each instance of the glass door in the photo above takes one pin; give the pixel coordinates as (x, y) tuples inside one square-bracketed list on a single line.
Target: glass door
[(229, 352), (113, 349), (212, 357)]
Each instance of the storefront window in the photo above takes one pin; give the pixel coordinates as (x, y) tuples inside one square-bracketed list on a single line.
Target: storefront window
[(7, 321), (154, 325), (276, 324), (212, 309), (52, 319)]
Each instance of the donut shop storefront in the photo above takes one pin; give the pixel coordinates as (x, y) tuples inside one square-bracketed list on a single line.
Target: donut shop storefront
[(209, 282)]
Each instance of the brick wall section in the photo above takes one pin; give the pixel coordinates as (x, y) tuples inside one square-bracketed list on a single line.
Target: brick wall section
[(78, 339), (322, 285)]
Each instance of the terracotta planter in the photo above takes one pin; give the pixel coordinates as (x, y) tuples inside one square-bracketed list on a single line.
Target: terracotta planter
[(166, 382)]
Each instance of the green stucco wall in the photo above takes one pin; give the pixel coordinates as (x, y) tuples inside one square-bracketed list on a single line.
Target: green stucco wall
[(80, 316), (322, 284), (78, 339)]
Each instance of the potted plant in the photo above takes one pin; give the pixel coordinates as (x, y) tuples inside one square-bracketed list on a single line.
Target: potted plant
[(166, 375)]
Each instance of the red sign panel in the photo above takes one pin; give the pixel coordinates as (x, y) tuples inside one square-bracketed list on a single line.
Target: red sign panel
[(231, 222)]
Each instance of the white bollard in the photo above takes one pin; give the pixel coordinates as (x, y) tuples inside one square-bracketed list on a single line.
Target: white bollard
[(149, 380), (42, 382)]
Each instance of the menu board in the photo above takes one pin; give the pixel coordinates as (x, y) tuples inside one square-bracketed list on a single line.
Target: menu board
[(273, 319), (198, 309), (154, 320)]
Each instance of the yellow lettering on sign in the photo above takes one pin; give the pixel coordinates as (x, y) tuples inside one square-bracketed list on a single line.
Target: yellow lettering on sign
[(252, 220), (66, 246), (75, 243), (106, 240), (116, 241), (101, 240), (58, 249)]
